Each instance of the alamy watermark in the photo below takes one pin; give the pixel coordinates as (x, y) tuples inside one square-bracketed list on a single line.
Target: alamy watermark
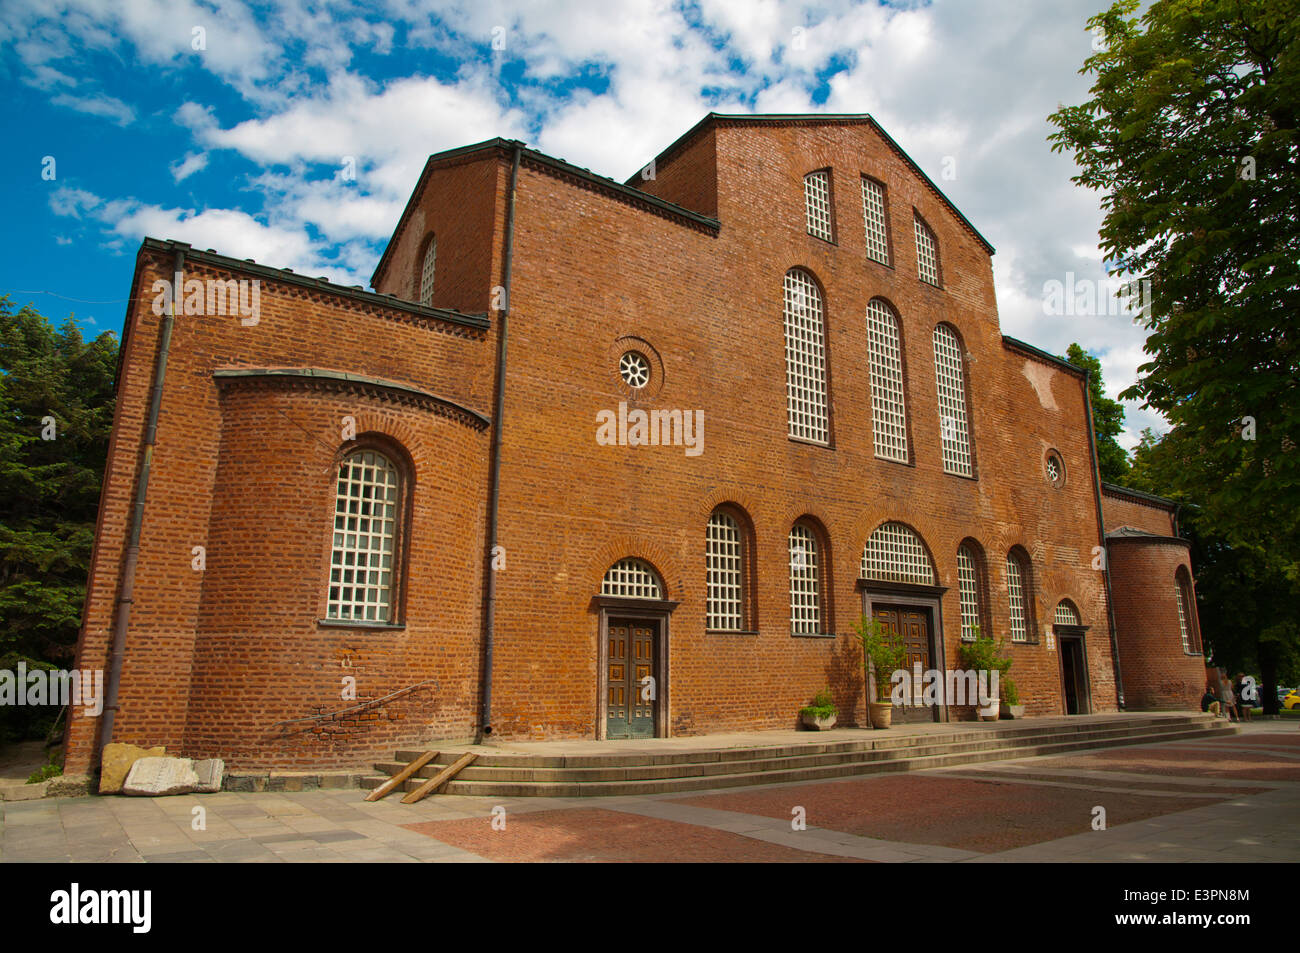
[(1092, 297), (53, 687), (212, 297), (651, 428)]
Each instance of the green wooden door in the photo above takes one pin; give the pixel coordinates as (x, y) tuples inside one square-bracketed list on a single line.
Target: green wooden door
[(632, 683)]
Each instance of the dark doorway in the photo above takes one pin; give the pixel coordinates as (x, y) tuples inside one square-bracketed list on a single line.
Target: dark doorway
[(632, 680), (909, 627), (1074, 674)]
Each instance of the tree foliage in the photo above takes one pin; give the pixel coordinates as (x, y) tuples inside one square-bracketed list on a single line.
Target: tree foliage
[(53, 384), (1107, 418), (1191, 137)]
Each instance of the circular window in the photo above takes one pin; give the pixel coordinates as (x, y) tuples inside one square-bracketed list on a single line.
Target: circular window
[(634, 369), (1055, 470)]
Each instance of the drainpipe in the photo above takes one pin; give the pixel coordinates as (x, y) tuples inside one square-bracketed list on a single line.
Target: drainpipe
[(498, 414), (1101, 535), (126, 595)]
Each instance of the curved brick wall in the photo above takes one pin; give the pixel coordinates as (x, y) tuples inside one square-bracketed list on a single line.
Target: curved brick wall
[(1157, 673)]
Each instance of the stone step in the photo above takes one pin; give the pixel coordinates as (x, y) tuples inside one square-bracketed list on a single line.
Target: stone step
[(638, 775), (523, 768)]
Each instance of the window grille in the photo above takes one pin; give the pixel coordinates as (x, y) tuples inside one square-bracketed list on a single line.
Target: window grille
[(894, 553), (1184, 621), (1066, 614), (1016, 595), (950, 383), (724, 605), (927, 254), (888, 414), (968, 585), (817, 200), (365, 530), (873, 214), (632, 579), (426, 272), (805, 358), (805, 604)]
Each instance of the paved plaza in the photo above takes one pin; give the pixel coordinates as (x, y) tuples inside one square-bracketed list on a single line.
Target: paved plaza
[(1222, 799)]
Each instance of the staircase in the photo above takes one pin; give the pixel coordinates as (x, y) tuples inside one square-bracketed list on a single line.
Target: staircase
[(622, 773)]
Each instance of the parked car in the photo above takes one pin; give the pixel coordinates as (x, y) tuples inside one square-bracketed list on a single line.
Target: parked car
[(1292, 700)]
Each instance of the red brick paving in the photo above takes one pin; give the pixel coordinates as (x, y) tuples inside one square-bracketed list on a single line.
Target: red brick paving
[(1231, 765), (982, 816), (594, 835), (1289, 740)]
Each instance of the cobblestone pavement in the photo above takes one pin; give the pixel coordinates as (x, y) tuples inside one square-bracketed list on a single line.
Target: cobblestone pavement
[(1219, 800)]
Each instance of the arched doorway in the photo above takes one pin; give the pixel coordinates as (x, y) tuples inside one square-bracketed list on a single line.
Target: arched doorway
[(632, 693)]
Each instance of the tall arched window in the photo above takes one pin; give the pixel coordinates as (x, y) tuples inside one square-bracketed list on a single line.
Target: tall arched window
[(805, 581), (927, 253), (805, 357), (817, 204), (724, 557), (1020, 596), (885, 352), (365, 539), (969, 567), (950, 384), (894, 553), (1186, 612), (426, 271), (873, 216), (631, 579)]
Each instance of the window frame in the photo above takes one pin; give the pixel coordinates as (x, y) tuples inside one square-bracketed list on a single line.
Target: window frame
[(967, 409), (829, 179), (744, 530), (918, 224), (908, 458), (799, 323), (821, 578), (428, 270), (884, 213), (979, 569), (1186, 600), (1020, 557), (401, 462)]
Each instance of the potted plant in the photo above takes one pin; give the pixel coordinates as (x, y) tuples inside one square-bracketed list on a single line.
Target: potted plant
[(985, 655), (820, 715), (1011, 707), (881, 656)]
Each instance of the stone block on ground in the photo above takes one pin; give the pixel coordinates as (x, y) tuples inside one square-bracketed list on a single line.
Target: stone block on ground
[(160, 777), (210, 773), (116, 762)]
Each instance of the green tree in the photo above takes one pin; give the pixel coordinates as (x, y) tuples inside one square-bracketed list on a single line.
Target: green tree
[(1190, 135), (1107, 417), (56, 412)]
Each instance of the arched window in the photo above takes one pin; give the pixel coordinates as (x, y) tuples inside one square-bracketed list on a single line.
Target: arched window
[(1186, 612), (365, 539), (927, 253), (885, 352), (894, 553), (724, 558), (873, 215), (426, 271), (950, 384), (805, 581), (1066, 614), (805, 357), (631, 579), (969, 568), (817, 203), (1020, 596)]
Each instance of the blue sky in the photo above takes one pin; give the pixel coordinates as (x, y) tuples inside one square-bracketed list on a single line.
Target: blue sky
[(229, 125)]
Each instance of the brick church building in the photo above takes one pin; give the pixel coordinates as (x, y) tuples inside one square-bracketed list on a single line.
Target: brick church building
[(691, 426)]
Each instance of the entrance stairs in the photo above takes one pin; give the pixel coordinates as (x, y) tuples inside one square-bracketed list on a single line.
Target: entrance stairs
[(697, 763)]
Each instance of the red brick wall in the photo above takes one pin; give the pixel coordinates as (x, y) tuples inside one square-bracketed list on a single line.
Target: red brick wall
[(688, 178), (1157, 673), (214, 657), (1150, 517)]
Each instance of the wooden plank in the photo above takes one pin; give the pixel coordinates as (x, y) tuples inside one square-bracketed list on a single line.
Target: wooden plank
[(388, 786), (439, 779)]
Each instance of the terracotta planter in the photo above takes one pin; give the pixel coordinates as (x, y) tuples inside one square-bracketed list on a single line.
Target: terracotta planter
[(1012, 711), (814, 723), (881, 713)]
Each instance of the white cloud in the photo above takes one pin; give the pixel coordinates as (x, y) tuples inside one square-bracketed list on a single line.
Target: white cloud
[(100, 105), (193, 162)]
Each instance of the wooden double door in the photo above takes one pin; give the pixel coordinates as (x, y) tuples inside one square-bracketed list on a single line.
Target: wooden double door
[(632, 678), (909, 626)]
